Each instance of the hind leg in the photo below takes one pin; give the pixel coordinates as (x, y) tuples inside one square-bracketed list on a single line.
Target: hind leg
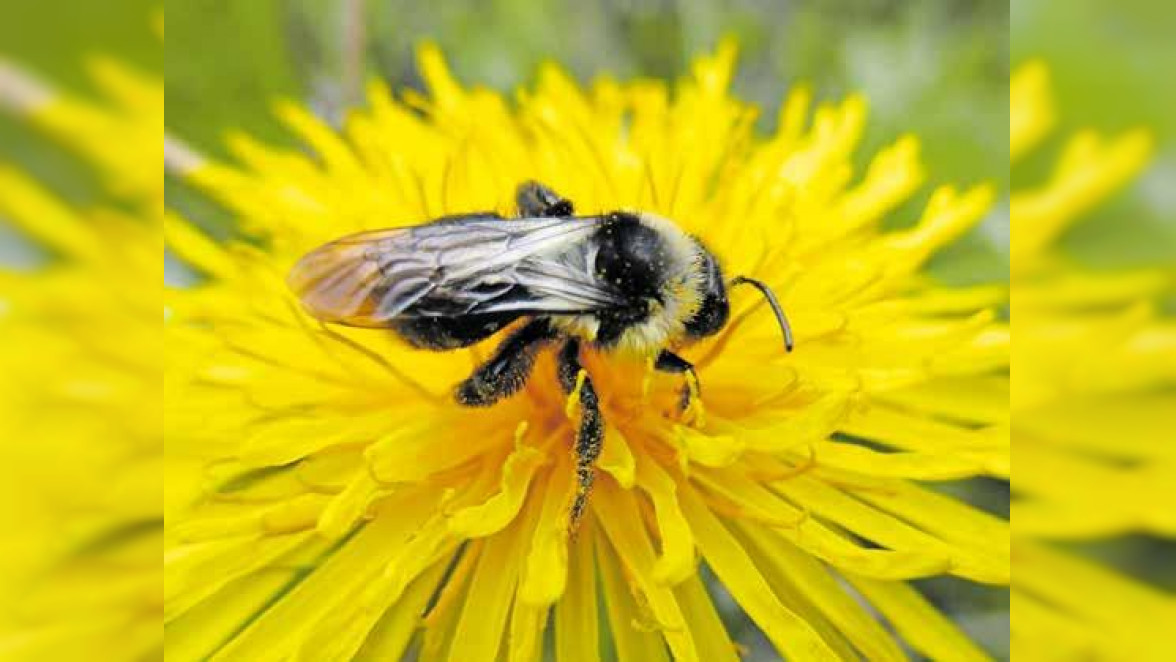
[(537, 200), (506, 372), (590, 437)]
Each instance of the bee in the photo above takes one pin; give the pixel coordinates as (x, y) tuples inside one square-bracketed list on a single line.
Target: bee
[(625, 282)]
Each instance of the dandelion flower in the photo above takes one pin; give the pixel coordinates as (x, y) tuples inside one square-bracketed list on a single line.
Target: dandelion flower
[(1092, 417), (81, 443), (347, 508), (81, 454)]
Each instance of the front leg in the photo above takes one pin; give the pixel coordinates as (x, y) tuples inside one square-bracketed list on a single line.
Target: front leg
[(589, 440), (537, 200), (670, 362), (506, 372)]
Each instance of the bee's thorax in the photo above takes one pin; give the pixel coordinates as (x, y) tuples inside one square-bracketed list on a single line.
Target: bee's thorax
[(659, 269)]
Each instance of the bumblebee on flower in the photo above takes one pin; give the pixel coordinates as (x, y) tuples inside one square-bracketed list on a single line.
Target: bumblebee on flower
[(623, 282)]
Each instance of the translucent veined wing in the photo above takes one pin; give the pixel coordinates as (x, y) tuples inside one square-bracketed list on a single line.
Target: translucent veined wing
[(456, 266)]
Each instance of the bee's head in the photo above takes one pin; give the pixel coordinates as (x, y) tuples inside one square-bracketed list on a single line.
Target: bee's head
[(713, 309)]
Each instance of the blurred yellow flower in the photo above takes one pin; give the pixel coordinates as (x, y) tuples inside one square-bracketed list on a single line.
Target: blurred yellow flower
[(81, 450), (82, 442), (81, 445), (1092, 406), (345, 508)]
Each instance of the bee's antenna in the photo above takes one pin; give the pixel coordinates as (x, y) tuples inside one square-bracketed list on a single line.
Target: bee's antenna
[(773, 302)]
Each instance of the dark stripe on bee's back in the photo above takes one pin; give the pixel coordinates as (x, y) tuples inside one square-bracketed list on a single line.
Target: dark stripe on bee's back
[(446, 333)]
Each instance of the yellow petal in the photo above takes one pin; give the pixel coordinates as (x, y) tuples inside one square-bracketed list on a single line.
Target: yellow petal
[(441, 620), (946, 218), (483, 619), (617, 458), (785, 565), (576, 627), (499, 510), (982, 400), (626, 532), (197, 571), (1089, 170), (754, 501), (707, 450), (714, 644), (195, 248), (980, 540), (911, 431), (50, 222), (814, 422), (545, 570), (633, 637), (1039, 631), (892, 176), (442, 87), (917, 466), (1030, 112), (676, 561), (334, 585), (791, 636), (923, 626), (345, 509), (198, 633), (527, 623), (342, 639), (1127, 607), (336, 154), (287, 516)]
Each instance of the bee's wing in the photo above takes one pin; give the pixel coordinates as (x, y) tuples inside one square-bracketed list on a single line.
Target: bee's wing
[(453, 267)]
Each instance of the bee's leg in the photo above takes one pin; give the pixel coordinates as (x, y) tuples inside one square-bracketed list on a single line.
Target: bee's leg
[(589, 439), (668, 361), (506, 372), (535, 199)]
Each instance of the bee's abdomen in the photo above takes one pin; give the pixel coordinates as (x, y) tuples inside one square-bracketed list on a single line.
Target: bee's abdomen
[(446, 333)]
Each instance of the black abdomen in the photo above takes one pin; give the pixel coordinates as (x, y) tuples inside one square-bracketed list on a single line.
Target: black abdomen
[(445, 333)]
